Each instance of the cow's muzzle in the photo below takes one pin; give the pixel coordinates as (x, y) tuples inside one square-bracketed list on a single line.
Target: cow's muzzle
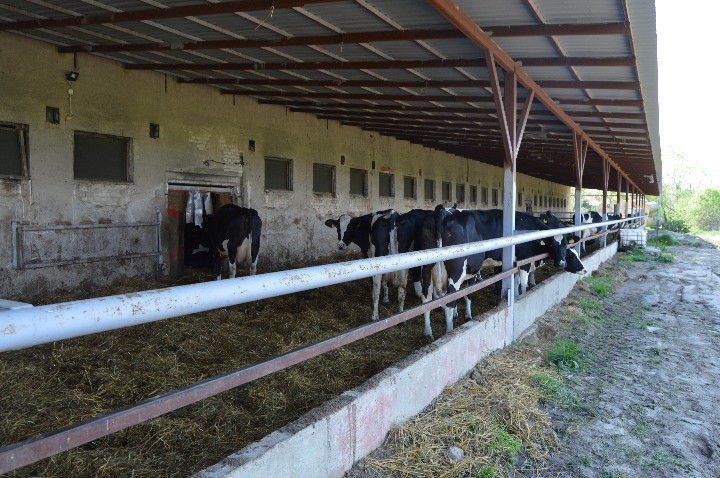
[(341, 245)]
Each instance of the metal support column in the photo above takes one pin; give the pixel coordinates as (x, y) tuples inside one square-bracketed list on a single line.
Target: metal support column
[(606, 182), (580, 147), (619, 189)]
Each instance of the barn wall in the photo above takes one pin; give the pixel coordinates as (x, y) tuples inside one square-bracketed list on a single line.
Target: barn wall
[(203, 137)]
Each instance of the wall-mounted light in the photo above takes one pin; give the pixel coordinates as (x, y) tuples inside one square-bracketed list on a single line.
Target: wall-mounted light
[(154, 130), (342, 159), (251, 145), (72, 75), (52, 115)]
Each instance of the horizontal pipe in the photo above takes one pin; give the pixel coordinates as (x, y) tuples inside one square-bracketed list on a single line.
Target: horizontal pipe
[(58, 227), (72, 262), (43, 324)]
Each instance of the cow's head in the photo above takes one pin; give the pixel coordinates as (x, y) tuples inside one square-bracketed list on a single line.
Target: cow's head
[(345, 229), (573, 263), (554, 245)]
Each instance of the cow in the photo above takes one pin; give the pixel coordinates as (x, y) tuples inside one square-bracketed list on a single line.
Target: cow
[(374, 238), (463, 226), (409, 230), (232, 232), (352, 230)]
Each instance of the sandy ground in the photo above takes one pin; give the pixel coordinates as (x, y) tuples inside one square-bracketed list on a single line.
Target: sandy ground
[(654, 378), (650, 390)]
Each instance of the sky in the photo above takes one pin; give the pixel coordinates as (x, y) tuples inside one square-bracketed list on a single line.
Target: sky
[(687, 63)]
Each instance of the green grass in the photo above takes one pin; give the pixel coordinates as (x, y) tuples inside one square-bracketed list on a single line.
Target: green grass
[(665, 458), (554, 389), (588, 304), (601, 285), (504, 444), (486, 472), (565, 355), (641, 255), (663, 240)]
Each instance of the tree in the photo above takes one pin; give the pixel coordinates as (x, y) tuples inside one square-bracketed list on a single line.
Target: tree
[(706, 210)]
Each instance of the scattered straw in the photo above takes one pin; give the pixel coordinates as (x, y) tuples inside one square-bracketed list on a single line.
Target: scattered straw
[(490, 416)]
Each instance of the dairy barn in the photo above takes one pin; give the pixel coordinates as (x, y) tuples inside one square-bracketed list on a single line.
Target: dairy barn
[(125, 124)]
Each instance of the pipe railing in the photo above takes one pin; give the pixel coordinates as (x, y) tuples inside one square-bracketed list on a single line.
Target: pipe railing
[(131, 309)]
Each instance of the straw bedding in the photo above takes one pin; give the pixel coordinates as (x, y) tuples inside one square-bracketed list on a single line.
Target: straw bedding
[(51, 386)]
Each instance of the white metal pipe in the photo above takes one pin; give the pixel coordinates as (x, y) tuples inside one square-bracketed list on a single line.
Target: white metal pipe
[(38, 325)]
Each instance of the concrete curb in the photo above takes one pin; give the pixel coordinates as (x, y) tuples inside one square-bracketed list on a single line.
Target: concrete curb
[(328, 440)]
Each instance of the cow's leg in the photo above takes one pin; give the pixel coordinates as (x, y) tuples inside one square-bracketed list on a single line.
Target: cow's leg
[(255, 244), (523, 280), (217, 264), (401, 278), (427, 292), (386, 291), (415, 272), (376, 280)]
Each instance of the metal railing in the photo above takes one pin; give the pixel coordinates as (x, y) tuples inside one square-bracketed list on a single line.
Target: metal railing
[(19, 231), (37, 325)]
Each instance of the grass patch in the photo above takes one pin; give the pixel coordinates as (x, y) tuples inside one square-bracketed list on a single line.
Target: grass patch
[(642, 322), (601, 285), (666, 458), (664, 240), (555, 390), (588, 304), (504, 445), (641, 255), (565, 355)]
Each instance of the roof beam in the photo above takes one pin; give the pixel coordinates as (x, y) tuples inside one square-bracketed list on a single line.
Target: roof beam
[(409, 97), (382, 64), (342, 38), (604, 85), (198, 10), (458, 18), (324, 106)]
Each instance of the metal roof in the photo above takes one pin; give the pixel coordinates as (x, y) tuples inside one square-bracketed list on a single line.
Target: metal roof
[(401, 68)]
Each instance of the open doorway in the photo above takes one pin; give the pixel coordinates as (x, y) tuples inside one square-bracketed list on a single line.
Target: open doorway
[(187, 207)]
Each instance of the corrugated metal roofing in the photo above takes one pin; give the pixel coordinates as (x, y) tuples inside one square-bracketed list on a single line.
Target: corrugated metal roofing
[(594, 58)]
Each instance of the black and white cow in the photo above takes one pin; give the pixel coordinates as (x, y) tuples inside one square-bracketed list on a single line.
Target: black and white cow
[(353, 230), (409, 231), (232, 232), (383, 242), (463, 226)]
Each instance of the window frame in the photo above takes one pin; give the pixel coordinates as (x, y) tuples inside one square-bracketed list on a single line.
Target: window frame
[(289, 174), (128, 167), (333, 179), (365, 191), (484, 195), (443, 186), (391, 176), (432, 190), (413, 187), (460, 193), (495, 198), (24, 146), (473, 194)]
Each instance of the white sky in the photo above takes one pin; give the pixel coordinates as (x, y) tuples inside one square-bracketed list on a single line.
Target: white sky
[(687, 33)]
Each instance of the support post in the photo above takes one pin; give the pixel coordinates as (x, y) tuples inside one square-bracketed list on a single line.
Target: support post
[(511, 130), (580, 147), (606, 182), (619, 189)]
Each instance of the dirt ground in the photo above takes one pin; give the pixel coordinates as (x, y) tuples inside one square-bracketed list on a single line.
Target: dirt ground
[(644, 402), (654, 377)]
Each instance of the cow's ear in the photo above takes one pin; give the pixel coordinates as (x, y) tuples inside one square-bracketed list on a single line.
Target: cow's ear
[(331, 223)]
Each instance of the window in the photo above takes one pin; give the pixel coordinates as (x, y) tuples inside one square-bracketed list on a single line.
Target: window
[(101, 157), (387, 185), (484, 196), (460, 193), (519, 198), (278, 174), (495, 197), (473, 194), (13, 150), (323, 178), (429, 189), (546, 202), (409, 187), (446, 191), (535, 202), (358, 182)]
